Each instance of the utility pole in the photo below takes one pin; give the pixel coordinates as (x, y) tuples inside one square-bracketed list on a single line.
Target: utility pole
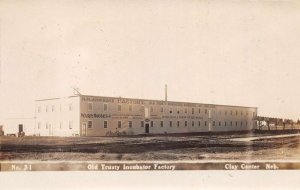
[(0, 61), (166, 92)]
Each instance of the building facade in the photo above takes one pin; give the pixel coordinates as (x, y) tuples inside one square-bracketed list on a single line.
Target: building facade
[(58, 116), (85, 115)]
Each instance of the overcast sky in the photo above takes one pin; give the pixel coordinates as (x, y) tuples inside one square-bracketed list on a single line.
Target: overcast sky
[(224, 52)]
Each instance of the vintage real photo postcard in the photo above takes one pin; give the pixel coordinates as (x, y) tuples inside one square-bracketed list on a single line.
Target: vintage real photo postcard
[(149, 85)]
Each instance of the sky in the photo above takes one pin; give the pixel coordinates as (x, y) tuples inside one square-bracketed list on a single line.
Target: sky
[(224, 52)]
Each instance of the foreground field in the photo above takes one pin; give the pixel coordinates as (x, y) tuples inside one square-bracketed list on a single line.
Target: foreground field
[(171, 148)]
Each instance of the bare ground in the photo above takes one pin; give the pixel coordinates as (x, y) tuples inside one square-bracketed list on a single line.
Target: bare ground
[(141, 148)]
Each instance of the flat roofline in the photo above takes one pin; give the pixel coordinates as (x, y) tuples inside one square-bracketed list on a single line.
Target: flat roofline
[(38, 100), (167, 101), (47, 99), (11, 118)]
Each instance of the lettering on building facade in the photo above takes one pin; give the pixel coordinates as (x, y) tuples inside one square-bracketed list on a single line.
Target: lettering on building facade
[(144, 102), (95, 115)]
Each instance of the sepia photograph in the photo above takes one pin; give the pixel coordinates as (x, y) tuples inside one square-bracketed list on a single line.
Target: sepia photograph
[(149, 85)]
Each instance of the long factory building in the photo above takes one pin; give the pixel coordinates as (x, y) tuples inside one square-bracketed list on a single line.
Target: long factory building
[(85, 115)]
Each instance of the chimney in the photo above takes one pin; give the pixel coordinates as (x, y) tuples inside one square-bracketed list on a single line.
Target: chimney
[(166, 92)]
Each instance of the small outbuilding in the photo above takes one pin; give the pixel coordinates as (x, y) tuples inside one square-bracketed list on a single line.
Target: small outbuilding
[(18, 126)]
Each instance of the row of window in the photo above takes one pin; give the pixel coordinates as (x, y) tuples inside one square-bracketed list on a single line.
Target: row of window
[(230, 123), (105, 108), (142, 124), (52, 108), (231, 112), (48, 125), (105, 124)]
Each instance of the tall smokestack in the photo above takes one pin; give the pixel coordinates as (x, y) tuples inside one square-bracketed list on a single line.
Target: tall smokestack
[(166, 92)]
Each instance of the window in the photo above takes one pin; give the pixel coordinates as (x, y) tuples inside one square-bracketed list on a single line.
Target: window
[(70, 124), (90, 106), (205, 123), (199, 123), (230, 112), (151, 124), (241, 112), (70, 107), (225, 123), (230, 123), (178, 123), (119, 107), (105, 124), (53, 108), (192, 110), (185, 123), (236, 112), (235, 123), (205, 111), (246, 123), (151, 109), (146, 112), (119, 124), (199, 110), (130, 124), (161, 109), (130, 107), (142, 123), (192, 123), (214, 123), (105, 107), (178, 111), (219, 123), (246, 113), (185, 110), (161, 124), (39, 125), (225, 112), (39, 109), (170, 123), (171, 111), (90, 124), (241, 123)]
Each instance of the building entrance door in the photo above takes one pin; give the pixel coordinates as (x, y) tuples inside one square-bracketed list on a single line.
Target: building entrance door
[(83, 130), (147, 128)]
